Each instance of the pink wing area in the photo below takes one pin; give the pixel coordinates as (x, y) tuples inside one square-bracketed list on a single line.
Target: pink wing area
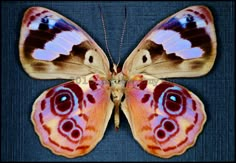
[(71, 118), (165, 118)]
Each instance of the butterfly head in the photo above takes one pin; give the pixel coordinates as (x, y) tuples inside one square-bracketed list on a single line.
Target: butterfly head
[(116, 69)]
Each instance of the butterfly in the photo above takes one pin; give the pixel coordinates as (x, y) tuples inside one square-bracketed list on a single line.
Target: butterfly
[(71, 118)]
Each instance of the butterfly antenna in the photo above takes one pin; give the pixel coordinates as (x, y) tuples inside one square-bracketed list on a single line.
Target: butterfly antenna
[(105, 34), (122, 36)]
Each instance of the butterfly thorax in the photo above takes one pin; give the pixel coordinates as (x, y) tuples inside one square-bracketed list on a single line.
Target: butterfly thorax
[(117, 86)]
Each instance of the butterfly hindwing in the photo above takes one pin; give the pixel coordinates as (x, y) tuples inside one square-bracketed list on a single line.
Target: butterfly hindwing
[(165, 118), (71, 118), (51, 46), (183, 45)]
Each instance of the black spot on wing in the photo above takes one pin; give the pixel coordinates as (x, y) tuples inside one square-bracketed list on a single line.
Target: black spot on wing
[(191, 25), (189, 18), (43, 26), (45, 20), (144, 59), (90, 59)]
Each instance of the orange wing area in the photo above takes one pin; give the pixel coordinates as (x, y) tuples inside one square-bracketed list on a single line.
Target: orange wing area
[(71, 118), (165, 118)]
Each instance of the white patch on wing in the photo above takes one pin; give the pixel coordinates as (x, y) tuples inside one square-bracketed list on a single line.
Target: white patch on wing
[(200, 23), (55, 47), (61, 44), (46, 55), (183, 22), (51, 23), (35, 24), (160, 36), (190, 53), (177, 46), (173, 43)]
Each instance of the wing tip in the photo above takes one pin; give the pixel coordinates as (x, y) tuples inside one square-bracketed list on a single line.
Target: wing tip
[(29, 13), (205, 12)]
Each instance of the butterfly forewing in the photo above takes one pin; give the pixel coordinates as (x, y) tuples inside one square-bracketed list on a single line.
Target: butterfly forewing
[(70, 119), (183, 45), (51, 46)]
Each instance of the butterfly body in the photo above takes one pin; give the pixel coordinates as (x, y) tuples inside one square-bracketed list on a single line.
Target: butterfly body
[(165, 118)]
